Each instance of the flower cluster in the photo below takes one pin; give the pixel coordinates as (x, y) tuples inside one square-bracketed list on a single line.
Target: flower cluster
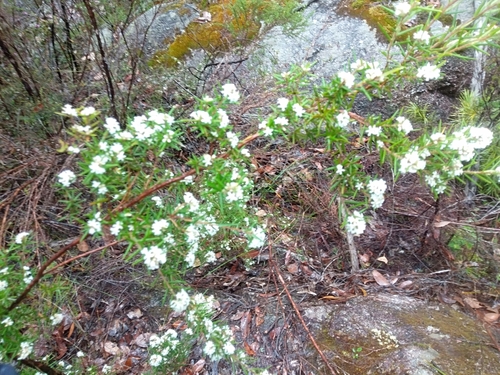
[(356, 223), (377, 189)]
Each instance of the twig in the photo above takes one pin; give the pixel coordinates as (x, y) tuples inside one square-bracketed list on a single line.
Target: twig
[(42, 269), (81, 256), (299, 315)]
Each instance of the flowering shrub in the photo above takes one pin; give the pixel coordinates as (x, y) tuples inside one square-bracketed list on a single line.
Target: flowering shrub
[(177, 216)]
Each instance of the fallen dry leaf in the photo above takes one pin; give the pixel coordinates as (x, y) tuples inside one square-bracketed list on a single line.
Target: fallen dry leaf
[(141, 340), (83, 246), (364, 258), (135, 313), (440, 224), (111, 348), (383, 259), (491, 317), (473, 303), (248, 349), (293, 268), (405, 284), (380, 279)]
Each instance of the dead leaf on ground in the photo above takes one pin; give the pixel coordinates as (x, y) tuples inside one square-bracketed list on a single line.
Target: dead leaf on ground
[(111, 348), (238, 315), (364, 258), (141, 340), (405, 284), (473, 303), (135, 313), (440, 224), (248, 349), (293, 268), (383, 259), (491, 317), (245, 324), (380, 279), (83, 246)]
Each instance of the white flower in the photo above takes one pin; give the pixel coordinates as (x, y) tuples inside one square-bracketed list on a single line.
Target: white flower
[(27, 275), (116, 228), (438, 138), (209, 348), (181, 301), (422, 35), (168, 137), (69, 110), (401, 8), (3, 285), (283, 103), (359, 65), (258, 238), (210, 257), (155, 360), (7, 322), (155, 340), (298, 109), (101, 188), (230, 92), (229, 348), (26, 349), (428, 72), (158, 201), (266, 130), (111, 125), (346, 78), (74, 149), (159, 225), (80, 354), (339, 169), (87, 111), (374, 72), (191, 201), (117, 149), (377, 189), (56, 319), (281, 121), (374, 131), (457, 168), (223, 117), (343, 119), (106, 369), (21, 236), (356, 224), (189, 180), (233, 139), (95, 224), (4, 270), (206, 160), (66, 177), (234, 192), (245, 152), (412, 162), (154, 257), (97, 164), (86, 130), (404, 125), (202, 117), (159, 118)]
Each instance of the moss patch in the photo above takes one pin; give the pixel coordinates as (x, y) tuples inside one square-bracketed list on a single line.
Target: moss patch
[(234, 23), (372, 12)]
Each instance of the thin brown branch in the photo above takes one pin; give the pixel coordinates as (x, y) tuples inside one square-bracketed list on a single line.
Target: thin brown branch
[(299, 315), (67, 261), (42, 269)]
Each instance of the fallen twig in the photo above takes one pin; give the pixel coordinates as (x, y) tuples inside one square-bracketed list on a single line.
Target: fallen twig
[(299, 315)]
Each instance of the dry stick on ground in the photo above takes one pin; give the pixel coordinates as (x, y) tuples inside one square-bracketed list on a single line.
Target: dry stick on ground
[(299, 315), (121, 207)]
